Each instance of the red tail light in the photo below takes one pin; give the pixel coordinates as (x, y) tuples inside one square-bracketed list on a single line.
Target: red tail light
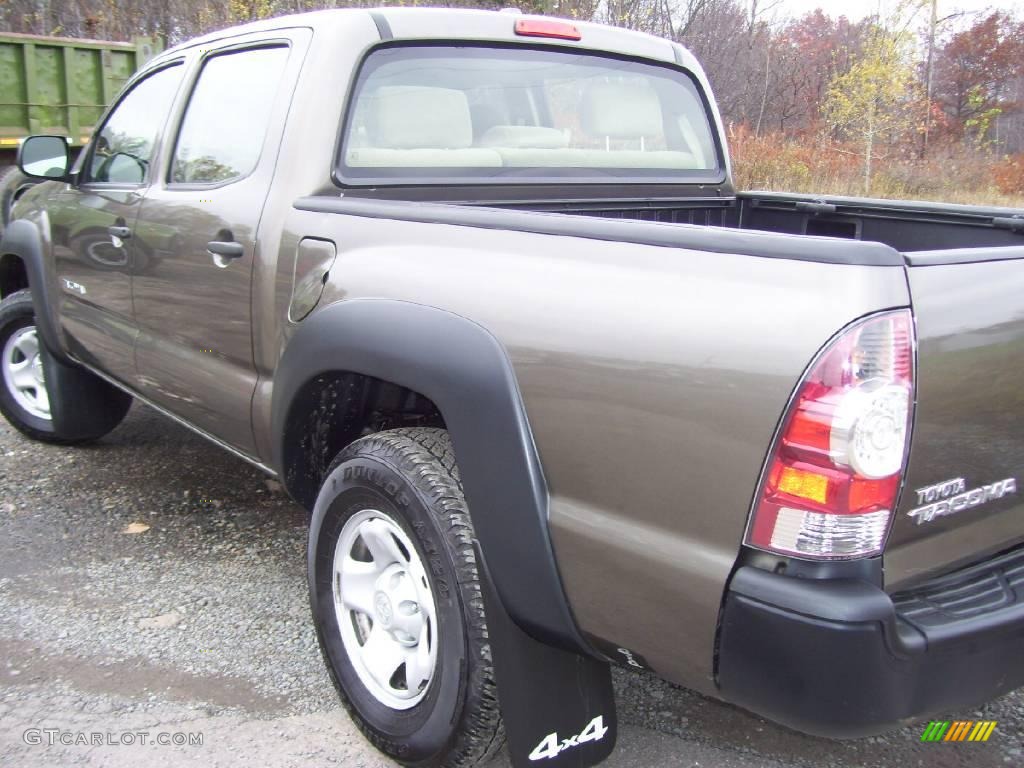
[(540, 28), (831, 481)]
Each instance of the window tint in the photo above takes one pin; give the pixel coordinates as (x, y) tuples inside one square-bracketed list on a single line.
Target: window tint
[(124, 148), (436, 111), (226, 120)]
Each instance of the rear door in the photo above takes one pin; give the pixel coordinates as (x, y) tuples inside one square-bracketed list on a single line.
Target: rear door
[(962, 498), (192, 301), (93, 224)]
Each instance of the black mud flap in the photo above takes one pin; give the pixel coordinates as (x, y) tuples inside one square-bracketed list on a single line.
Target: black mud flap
[(558, 707), (83, 406)]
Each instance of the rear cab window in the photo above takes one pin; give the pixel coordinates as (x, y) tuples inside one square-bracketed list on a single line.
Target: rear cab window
[(511, 113)]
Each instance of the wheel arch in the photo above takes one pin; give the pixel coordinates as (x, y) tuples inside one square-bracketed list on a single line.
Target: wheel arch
[(22, 255), (13, 274), (460, 368)]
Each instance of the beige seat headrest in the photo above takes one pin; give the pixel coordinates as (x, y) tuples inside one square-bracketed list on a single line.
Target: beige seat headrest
[(619, 111), (419, 117)]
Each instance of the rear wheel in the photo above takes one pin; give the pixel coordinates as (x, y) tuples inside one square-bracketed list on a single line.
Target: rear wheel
[(88, 407), (397, 604)]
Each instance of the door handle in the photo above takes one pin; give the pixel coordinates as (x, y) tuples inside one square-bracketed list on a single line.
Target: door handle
[(225, 251), (228, 249), (121, 233)]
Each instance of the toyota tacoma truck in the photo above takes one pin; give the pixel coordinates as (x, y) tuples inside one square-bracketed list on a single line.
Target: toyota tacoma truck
[(478, 290)]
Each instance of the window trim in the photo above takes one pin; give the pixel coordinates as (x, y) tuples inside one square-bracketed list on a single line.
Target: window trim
[(715, 177), (179, 124), (87, 156)]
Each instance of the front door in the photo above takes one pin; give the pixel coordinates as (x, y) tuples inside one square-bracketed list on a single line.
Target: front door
[(93, 226), (193, 298)]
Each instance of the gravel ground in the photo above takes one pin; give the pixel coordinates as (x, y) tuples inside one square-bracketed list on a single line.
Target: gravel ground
[(199, 624)]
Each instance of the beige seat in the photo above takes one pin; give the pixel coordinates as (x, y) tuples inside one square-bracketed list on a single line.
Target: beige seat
[(411, 126), (597, 158), (524, 136), (608, 112)]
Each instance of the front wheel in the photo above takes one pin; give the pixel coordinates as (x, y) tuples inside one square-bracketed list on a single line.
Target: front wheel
[(43, 398), (396, 600), (23, 399)]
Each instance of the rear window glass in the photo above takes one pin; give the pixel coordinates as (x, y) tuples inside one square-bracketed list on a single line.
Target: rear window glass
[(520, 113)]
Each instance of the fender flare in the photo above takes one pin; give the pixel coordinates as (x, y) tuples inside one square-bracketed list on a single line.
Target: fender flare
[(466, 372), (22, 239)]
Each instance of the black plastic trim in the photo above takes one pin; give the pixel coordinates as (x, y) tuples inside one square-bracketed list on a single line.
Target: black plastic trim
[(846, 600), (22, 239), (834, 657), (714, 239), (976, 593), (466, 372), (550, 196), (867, 569), (862, 205)]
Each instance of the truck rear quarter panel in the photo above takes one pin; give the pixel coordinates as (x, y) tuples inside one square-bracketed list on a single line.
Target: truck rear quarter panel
[(653, 380)]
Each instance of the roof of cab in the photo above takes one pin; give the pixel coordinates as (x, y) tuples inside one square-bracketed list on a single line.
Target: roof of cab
[(460, 24)]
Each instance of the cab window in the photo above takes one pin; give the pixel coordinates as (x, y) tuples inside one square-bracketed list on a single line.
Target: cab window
[(124, 148), (227, 116)]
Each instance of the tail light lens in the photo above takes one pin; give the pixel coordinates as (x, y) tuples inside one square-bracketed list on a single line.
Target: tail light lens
[(830, 484)]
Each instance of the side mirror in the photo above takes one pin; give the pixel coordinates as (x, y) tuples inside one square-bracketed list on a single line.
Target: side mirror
[(44, 157)]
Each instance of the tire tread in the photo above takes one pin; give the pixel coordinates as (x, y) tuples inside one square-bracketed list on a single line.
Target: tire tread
[(427, 458)]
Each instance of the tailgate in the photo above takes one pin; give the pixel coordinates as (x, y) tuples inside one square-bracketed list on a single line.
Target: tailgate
[(962, 498)]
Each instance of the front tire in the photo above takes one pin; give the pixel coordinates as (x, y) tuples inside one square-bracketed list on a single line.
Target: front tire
[(55, 402), (396, 601)]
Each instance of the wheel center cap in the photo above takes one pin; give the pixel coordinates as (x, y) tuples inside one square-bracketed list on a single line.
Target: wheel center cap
[(385, 614)]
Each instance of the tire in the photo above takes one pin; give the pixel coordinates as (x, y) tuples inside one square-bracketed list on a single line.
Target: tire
[(72, 406), (400, 491), (12, 184)]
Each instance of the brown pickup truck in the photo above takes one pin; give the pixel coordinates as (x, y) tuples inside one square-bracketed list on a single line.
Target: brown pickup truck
[(477, 288)]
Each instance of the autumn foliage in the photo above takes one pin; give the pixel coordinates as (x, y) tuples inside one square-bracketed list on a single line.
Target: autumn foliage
[(881, 119), (1008, 175), (774, 161)]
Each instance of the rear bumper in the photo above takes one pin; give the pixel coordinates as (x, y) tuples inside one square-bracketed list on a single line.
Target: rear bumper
[(841, 658)]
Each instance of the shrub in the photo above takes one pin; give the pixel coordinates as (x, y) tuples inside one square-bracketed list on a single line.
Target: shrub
[(816, 164), (1009, 175)]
